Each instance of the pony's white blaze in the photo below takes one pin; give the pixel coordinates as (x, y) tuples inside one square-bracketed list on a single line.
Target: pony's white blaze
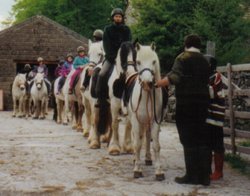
[(144, 106), (18, 94)]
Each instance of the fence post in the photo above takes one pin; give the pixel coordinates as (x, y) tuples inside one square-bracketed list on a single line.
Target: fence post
[(231, 110)]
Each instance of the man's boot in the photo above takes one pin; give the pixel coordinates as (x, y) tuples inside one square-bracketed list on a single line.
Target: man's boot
[(218, 162), (190, 157), (204, 165)]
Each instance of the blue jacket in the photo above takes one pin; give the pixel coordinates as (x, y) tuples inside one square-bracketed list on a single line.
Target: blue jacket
[(79, 61)]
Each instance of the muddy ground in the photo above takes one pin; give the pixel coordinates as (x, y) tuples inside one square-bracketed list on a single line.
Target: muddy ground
[(40, 157)]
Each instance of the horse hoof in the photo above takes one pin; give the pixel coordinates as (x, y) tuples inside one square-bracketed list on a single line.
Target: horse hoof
[(128, 150), (149, 162), (13, 115), (74, 127), (160, 177), (79, 129), (104, 139), (94, 145), (85, 134), (42, 118), (114, 152), (138, 174), (35, 117), (65, 123)]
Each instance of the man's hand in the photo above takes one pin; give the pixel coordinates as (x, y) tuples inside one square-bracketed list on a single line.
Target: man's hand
[(163, 82)]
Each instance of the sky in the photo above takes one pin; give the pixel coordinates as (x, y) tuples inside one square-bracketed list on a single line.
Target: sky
[(5, 8)]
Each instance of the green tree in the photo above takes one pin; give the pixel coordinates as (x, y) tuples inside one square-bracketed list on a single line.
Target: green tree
[(82, 16), (167, 22)]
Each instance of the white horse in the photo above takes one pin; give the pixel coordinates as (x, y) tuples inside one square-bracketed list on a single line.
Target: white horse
[(73, 107), (124, 54), (145, 107), (18, 94), (39, 95), (96, 56)]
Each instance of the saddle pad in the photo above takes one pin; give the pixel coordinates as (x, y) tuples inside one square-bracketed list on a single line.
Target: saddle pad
[(130, 83)]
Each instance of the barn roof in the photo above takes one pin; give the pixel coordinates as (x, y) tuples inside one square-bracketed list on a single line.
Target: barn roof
[(38, 18)]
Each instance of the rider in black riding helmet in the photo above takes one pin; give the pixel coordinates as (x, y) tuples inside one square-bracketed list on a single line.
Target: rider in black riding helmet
[(97, 35), (114, 35)]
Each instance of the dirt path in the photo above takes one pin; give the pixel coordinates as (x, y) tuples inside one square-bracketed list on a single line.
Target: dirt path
[(39, 157)]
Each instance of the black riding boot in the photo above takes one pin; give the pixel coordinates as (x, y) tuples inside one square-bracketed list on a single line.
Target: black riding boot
[(191, 177)]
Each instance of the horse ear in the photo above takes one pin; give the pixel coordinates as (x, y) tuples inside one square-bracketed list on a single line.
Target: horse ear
[(153, 46), (90, 42), (137, 46)]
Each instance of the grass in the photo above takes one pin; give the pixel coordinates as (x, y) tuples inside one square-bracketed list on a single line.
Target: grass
[(238, 163), (245, 143)]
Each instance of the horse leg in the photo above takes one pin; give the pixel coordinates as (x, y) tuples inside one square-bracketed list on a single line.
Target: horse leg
[(137, 140), (127, 143), (43, 108), (92, 118), (148, 160), (75, 114), (20, 106), (105, 138), (14, 107), (94, 137), (58, 111), (114, 146), (88, 118), (79, 117), (156, 146), (66, 109), (36, 109)]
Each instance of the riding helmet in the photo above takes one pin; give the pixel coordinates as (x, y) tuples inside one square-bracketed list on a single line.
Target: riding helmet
[(39, 59), (98, 33), (117, 11), (81, 49)]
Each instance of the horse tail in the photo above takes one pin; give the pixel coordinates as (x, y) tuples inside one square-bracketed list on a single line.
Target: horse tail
[(103, 118)]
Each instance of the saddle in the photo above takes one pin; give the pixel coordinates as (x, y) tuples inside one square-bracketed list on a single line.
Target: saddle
[(129, 86)]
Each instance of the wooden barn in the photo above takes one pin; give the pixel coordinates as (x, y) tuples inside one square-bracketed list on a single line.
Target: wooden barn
[(23, 43)]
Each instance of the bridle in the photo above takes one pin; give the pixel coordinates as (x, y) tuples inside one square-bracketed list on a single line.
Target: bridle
[(149, 98)]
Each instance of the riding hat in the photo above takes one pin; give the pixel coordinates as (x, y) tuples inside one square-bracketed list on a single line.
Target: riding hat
[(98, 33), (81, 49), (39, 59), (70, 55), (117, 11)]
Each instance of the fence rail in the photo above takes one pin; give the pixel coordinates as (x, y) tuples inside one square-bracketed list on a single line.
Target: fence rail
[(232, 115)]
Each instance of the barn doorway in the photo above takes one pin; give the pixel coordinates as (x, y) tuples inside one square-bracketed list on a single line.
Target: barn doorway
[(51, 67)]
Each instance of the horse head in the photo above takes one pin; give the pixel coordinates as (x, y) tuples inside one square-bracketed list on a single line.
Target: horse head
[(39, 80), (20, 81), (96, 53), (148, 65)]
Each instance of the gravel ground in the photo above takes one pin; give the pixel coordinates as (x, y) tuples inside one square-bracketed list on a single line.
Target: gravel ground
[(39, 157)]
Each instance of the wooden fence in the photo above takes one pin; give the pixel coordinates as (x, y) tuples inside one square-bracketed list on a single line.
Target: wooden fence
[(233, 92)]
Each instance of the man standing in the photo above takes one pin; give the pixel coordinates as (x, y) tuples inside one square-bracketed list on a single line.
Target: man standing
[(190, 75)]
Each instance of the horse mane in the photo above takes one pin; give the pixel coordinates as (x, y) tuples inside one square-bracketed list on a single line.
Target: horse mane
[(125, 48)]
